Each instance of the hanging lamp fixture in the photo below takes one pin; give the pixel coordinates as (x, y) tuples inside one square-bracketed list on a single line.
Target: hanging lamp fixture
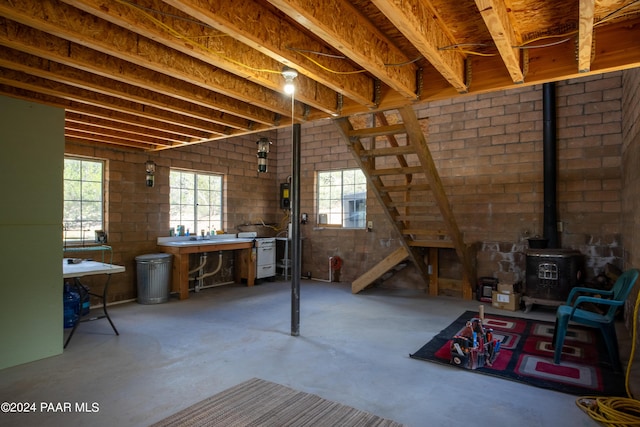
[(289, 74)]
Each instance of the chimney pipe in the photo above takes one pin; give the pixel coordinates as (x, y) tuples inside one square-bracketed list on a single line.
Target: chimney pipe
[(550, 221)]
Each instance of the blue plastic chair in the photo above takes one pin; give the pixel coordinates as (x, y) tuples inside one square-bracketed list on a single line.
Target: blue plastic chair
[(614, 298)]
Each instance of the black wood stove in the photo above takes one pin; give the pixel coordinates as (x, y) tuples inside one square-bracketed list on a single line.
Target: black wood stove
[(550, 275)]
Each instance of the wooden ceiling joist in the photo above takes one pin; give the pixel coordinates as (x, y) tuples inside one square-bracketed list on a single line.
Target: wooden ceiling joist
[(221, 61), (359, 40), (202, 41), (71, 24), (585, 35), (258, 26), (496, 16), (83, 80), (55, 49), (62, 90), (416, 22), (73, 119)]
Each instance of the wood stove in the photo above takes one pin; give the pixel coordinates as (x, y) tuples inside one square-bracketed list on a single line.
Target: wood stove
[(550, 275)]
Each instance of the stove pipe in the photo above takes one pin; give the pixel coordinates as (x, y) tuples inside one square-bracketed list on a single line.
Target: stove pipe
[(550, 221)]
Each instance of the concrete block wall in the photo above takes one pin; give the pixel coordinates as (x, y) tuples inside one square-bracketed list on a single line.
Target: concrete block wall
[(137, 215), (631, 182), (488, 151)]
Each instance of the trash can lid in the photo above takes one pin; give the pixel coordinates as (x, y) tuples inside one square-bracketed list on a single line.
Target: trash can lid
[(153, 257)]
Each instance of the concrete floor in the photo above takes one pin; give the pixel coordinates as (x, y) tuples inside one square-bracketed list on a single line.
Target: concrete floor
[(352, 349)]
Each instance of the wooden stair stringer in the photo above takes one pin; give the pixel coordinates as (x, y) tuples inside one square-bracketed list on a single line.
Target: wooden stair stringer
[(355, 146), (416, 145), (417, 139)]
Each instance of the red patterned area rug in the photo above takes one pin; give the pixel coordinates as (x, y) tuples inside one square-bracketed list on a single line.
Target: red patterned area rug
[(526, 355)]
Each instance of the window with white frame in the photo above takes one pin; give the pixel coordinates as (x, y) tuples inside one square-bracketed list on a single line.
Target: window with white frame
[(83, 199), (342, 198), (195, 201)]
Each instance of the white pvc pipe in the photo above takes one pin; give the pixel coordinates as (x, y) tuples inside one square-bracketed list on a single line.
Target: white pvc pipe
[(211, 273), (200, 278), (330, 273), (215, 285), (203, 262)]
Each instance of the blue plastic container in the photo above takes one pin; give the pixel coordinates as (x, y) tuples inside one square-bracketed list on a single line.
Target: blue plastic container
[(71, 301)]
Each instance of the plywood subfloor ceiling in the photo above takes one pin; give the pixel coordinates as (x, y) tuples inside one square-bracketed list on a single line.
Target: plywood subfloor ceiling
[(153, 75)]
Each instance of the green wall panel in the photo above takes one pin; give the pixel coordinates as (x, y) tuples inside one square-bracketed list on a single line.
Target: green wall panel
[(32, 141)]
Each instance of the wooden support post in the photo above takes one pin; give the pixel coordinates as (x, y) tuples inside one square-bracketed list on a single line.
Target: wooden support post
[(433, 277)]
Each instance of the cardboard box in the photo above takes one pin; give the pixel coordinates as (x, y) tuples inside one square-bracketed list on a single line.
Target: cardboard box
[(505, 301), (505, 288)]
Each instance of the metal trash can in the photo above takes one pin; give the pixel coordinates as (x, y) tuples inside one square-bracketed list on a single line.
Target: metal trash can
[(154, 278)]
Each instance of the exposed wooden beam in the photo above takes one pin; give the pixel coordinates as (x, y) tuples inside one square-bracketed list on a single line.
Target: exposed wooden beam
[(359, 40), (54, 71), (207, 44), (73, 135), (81, 28), (418, 25), (101, 133), (585, 35), (175, 134), (59, 50), (259, 27), (496, 17), (75, 119), (61, 90)]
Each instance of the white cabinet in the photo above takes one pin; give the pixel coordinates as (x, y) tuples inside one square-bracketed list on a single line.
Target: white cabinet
[(265, 257)]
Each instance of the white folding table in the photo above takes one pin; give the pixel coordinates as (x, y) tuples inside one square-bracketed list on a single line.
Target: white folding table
[(89, 268)]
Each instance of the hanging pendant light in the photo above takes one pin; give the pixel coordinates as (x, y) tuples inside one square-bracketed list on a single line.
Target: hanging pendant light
[(289, 74)]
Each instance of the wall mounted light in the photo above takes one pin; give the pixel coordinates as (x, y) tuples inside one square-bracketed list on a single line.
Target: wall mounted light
[(263, 150), (289, 74), (150, 166)]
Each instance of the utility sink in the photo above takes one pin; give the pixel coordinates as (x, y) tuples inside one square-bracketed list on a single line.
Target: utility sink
[(215, 241)]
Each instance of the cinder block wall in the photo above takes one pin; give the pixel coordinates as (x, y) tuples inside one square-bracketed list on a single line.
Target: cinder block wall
[(488, 150), (137, 215), (631, 180)]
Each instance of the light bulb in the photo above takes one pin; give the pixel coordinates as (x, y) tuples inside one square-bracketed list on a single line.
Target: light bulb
[(289, 74), (289, 88)]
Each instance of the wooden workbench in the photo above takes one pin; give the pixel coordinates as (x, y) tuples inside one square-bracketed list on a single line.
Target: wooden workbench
[(181, 251)]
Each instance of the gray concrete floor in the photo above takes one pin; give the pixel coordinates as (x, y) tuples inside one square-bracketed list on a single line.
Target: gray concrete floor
[(352, 349)]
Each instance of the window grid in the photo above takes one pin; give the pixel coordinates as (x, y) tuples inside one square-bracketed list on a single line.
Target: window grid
[(83, 198), (341, 198), (195, 201)]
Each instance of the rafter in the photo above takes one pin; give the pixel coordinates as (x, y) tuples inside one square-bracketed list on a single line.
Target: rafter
[(496, 17)]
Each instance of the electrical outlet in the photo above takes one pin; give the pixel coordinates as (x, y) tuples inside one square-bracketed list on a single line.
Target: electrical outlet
[(369, 225)]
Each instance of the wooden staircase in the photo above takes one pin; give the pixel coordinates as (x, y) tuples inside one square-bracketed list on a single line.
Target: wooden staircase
[(392, 151)]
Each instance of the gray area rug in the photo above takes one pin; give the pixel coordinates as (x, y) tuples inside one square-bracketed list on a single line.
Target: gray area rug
[(258, 402)]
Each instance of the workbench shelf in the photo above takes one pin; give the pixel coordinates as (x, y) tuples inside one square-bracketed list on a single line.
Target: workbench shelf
[(95, 248)]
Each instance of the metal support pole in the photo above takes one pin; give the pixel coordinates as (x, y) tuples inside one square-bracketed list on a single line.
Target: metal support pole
[(550, 164), (296, 247)]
